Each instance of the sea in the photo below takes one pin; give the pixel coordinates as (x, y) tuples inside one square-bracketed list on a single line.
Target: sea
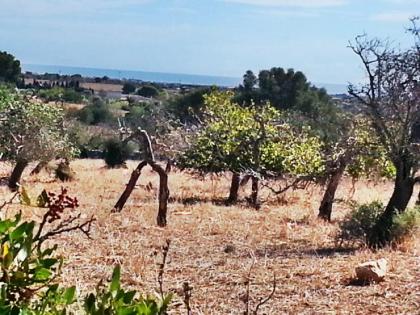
[(159, 77)]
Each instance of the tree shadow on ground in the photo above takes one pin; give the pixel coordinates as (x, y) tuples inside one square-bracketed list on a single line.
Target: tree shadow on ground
[(284, 251), (194, 200)]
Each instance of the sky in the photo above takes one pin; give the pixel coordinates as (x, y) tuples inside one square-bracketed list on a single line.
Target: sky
[(209, 37)]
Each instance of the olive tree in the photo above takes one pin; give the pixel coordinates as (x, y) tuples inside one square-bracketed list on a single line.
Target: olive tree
[(390, 98), (30, 131), (356, 153), (257, 141)]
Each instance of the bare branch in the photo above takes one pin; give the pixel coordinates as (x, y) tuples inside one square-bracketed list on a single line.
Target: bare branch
[(268, 298)]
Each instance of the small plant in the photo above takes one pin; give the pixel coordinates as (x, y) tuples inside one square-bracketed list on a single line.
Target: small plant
[(116, 153), (115, 300)]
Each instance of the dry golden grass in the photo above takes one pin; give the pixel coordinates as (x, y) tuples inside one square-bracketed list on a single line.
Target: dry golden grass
[(214, 246)]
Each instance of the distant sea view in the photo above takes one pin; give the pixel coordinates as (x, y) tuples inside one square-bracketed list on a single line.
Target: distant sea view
[(159, 77)]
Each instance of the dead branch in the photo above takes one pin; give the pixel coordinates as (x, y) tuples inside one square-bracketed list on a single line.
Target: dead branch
[(165, 251), (65, 227), (186, 290), (268, 298), (10, 201)]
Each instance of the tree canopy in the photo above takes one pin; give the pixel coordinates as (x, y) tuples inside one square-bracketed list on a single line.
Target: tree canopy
[(10, 70)]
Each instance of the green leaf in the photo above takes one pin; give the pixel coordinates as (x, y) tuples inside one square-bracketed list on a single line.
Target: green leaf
[(69, 295), (20, 231), (42, 274), (115, 282)]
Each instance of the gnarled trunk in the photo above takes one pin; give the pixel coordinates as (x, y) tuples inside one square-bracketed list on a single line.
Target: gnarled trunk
[(129, 188), (254, 192), (234, 189), (17, 174), (325, 209), (163, 193), (403, 191)]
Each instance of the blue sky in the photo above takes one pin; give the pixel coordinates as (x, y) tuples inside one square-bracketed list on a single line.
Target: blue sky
[(215, 37)]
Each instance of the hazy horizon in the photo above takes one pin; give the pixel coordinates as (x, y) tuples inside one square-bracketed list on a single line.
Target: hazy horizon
[(150, 76), (221, 38)]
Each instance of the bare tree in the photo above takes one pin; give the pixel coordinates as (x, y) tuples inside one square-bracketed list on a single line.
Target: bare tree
[(142, 137), (390, 98)]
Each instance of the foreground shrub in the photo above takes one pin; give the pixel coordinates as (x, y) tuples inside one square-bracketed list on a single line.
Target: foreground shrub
[(116, 153), (29, 273), (358, 225), (115, 300)]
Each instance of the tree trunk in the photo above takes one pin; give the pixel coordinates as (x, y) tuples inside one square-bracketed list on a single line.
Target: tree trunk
[(17, 174), (325, 209), (38, 168), (254, 192), (403, 191), (129, 188), (234, 189), (163, 194)]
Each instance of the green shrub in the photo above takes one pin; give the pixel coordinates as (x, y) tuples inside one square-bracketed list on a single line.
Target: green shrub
[(148, 91), (116, 153), (115, 300), (96, 112), (405, 224), (358, 224), (29, 274)]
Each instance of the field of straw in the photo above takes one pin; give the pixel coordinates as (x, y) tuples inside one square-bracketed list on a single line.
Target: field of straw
[(215, 248)]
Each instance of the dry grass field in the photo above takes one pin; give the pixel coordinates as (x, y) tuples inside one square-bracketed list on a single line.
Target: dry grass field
[(214, 246)]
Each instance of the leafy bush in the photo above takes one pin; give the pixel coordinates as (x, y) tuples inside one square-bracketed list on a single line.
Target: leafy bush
[(59, 94), (116, 153), (115, 300), (148, 91), (29, 273), (128, 88), (357, 226), (95, 113), (405, 224)]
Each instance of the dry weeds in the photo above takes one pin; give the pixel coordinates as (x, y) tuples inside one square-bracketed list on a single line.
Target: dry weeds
[(213, 246)]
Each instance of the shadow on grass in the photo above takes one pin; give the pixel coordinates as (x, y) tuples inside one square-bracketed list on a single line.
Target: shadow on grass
[(284, 251), (194, 200)]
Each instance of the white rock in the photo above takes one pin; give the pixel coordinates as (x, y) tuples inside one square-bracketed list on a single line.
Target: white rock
[(372, 270)]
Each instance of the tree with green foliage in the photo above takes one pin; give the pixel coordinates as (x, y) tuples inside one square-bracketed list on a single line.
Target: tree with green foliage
[(30, 131), (148, 91), (357, 153), (58, 94), (96, 112), (10, 70), (187, 108), (391, 101), (250, 140), (128, 88)]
